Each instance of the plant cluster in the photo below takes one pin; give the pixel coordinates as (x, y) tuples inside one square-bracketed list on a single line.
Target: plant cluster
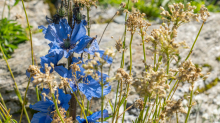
[(84, 79)]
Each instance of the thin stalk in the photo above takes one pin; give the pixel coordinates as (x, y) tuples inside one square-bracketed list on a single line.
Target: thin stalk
[(194, 41), (3, 111), (23, 105), (16, 87), (151, 110), (147, 109), (155, 56), (2, 100), (30, 33), (124, 112), (3, 9), (177, 119), (142, 111), (115, 109), (102, 97), (37, 93), (142, 37), (130, 53), (157, 103), (125, 104), (88, 23), (168, 63), (125, 32), (190, 106), (87, 113), (56, 106), (2, 116), (79, 103)]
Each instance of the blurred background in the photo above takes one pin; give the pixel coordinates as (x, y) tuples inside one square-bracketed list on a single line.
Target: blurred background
[(206, 54)]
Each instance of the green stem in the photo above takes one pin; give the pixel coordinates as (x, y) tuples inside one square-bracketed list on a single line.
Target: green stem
[(30, 33), (87, 113), (37, 93), (102, 97), (177, 119), (56, 106), (147, 109), (16, 87), (125, 32), (125, 104), (155, 113), (3, 9), (190, 106), (23, 105), (2, 100), (194, 41), (142, 37), (79, 103), (2, 116), (88, 23), (155, 56), (142, 111), (130, 53)]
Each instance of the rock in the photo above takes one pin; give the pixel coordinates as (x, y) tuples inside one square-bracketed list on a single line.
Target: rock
[(36, 11), (206, 50)]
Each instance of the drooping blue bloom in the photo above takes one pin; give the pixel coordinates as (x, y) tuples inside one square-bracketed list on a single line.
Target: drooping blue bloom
[(46, 107), (69, 40), (86, 84), (94, 117)]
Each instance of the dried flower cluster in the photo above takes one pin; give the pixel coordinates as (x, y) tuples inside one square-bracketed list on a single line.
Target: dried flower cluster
[(123, 76), (188, 72), (171, 108), (139, 104), (56, 118), (136, 20), (39, 77), (86, 3), (204, 13), (152, 82), (179, 13)]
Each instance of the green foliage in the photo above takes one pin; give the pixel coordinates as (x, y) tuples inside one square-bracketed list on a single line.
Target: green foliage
[(11, 34), (208, 86), (218, 59), (151, 7)]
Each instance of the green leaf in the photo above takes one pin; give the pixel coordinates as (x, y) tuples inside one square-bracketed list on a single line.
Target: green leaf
[(13, 121), (16, 2), (122, 101), (111, 105), (108, 118)]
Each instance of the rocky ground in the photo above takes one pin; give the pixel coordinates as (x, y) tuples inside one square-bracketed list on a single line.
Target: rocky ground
[(205, 54)]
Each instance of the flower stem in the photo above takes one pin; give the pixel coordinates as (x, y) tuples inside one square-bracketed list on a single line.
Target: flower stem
[(102, 97), (23, 105), (155, 56), (190, 106), (87, 113), (125, 104), (30, 33), (88, 29), (16, 87), (194, 42), (79, 103), (142, 37), (56, 106), (38, 97), (2, 100), (130, 53)]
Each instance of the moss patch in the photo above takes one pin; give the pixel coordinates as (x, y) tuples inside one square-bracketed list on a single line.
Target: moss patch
[(218, 59), (208, 86)]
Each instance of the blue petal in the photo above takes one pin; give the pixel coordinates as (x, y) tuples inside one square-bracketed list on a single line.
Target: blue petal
[(52, 57), (93, 47), (62, 71), (42, 106), (39, 118), (64, 99), (93, 90), (80, 120), (43, 27), (79, 31), (95, 116), (83, 43)]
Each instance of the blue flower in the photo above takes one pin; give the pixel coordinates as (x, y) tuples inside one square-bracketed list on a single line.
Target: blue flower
[(94, 117), (46, 107), (69, 40), (86, 84)]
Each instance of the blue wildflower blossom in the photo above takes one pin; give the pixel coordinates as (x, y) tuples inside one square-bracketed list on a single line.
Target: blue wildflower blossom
[(46, 107), (69, 40), (86, 84), (94, 117)]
